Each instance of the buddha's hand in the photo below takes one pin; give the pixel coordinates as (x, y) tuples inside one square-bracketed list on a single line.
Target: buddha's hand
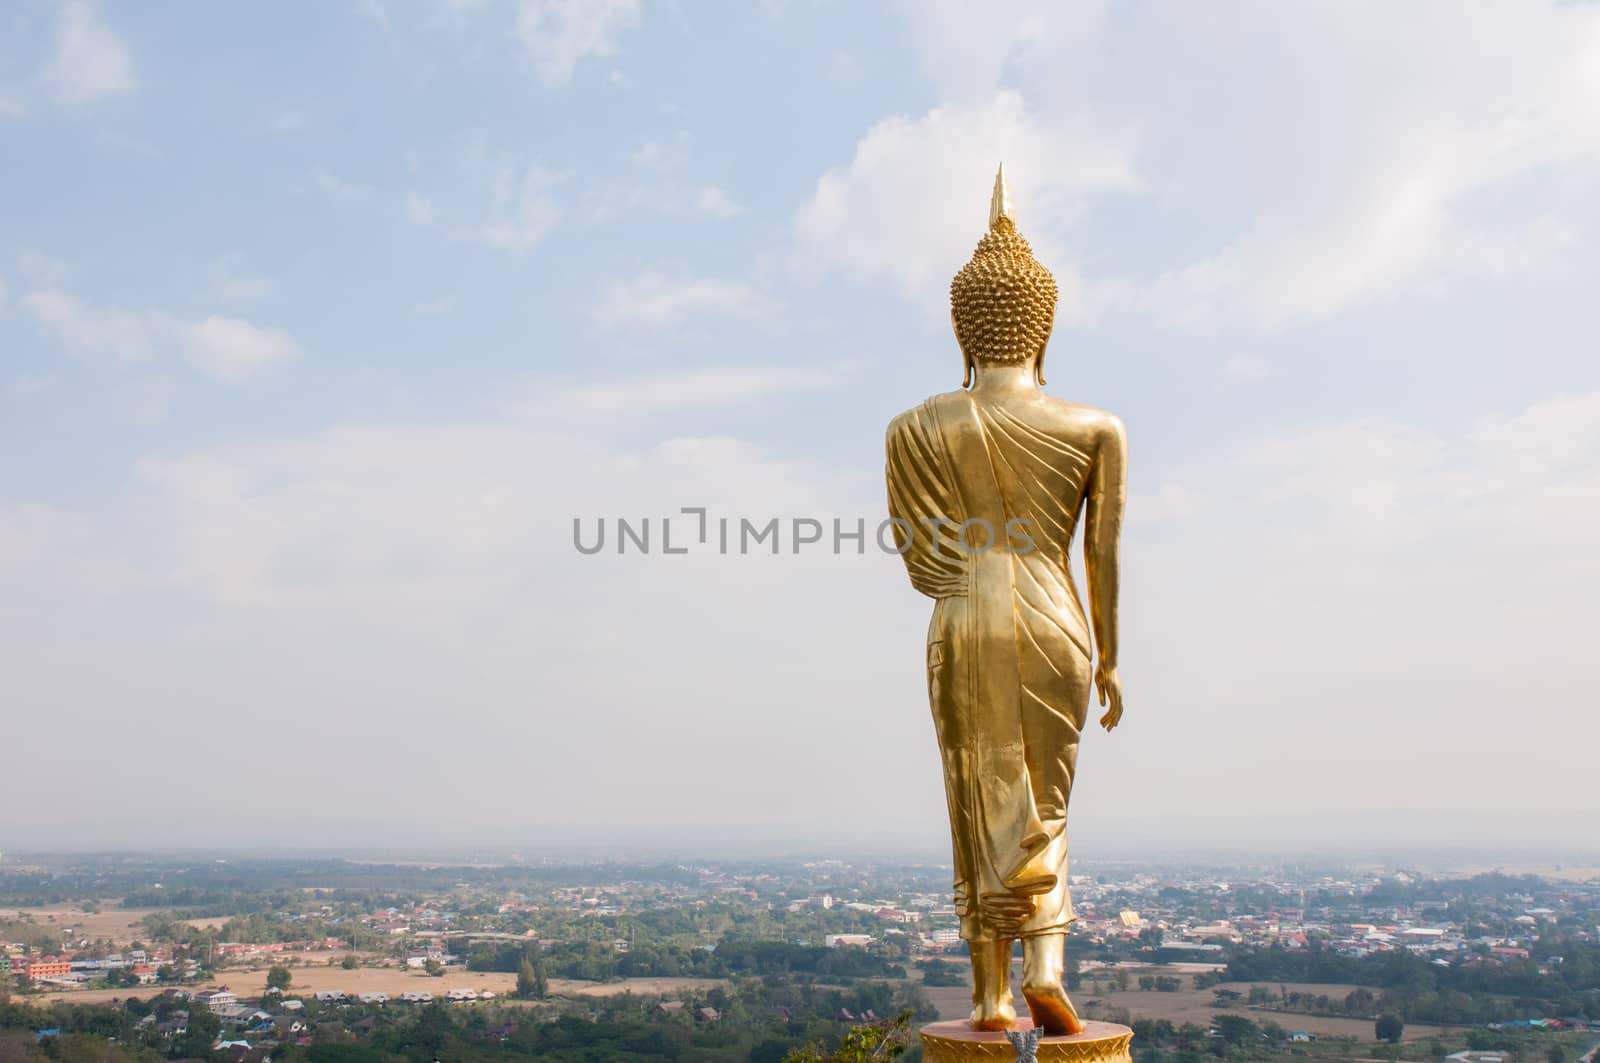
[(1110, 688)]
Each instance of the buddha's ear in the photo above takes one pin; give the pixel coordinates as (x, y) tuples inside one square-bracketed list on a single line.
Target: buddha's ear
[(966, 359), (1038, 361)]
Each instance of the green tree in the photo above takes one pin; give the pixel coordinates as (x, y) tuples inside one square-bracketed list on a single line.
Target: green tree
[(279, 978), (1556, 1054), (942, 973), (863, 1044), (1388, 1027), (349, 962), (200, 1034), (1235, 1029), (527, 980), (541, 983)]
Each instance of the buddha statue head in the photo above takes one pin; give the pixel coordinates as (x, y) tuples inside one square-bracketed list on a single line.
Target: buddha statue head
[(1003, 302)]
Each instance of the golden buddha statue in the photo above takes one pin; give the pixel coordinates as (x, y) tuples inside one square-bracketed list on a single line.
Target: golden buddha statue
[(986, 485)]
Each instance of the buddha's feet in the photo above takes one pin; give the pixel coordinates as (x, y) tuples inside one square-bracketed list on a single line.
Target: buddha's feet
[(1051, 1009), (994, 1014), (991, 985), (1043, 971)]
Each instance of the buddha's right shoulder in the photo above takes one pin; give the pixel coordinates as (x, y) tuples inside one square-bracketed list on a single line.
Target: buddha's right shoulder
[(920, 413)]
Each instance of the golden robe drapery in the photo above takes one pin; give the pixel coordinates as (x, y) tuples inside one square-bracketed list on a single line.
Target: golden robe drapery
[(1008, 646)]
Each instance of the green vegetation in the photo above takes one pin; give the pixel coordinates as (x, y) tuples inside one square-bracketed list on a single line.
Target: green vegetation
[(758, 1020), (1416, 990)]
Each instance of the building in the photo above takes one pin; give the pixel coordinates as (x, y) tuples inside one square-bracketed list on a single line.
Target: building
[(217, 1000), (833, 941)]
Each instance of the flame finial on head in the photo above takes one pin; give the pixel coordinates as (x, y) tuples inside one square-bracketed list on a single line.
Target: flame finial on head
[(1001, 209), (1003, 302)]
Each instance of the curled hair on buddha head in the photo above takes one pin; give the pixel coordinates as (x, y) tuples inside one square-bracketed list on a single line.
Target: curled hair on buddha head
[(1003, 302)]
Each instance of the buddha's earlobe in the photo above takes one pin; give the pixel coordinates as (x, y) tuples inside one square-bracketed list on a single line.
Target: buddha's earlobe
[(1038, 363), (966, 359)]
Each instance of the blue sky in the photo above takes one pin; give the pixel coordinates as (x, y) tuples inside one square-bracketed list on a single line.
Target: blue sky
[(320, 323)]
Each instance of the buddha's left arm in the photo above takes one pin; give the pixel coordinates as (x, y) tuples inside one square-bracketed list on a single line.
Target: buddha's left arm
[(1102, 548)]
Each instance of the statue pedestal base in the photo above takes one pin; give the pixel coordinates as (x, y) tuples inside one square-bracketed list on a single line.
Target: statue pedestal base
[(958, 1042)]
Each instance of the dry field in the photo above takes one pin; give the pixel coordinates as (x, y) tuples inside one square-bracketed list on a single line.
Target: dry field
[(397, 980), (113, 923), (1190, 1005)]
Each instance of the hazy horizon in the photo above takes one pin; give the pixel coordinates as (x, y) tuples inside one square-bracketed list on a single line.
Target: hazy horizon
[(319, 329)]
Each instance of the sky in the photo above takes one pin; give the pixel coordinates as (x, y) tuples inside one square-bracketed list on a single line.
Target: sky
[(321, 324)]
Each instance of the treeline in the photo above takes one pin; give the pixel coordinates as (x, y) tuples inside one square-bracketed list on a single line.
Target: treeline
[(1461, 992), (1443, 1007), (817, 961), (761, 1021), (601, 962), (1489, 885)]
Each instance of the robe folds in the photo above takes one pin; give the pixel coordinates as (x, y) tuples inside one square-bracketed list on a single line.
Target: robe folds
[(1008, 645)]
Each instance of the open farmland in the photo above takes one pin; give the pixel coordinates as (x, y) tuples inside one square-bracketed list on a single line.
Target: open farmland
[(396, 980), (110, 922), (1189, 1005)]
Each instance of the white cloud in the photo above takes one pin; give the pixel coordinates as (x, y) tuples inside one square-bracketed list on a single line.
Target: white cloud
[(966, 51), (713, 201), (419, 210), (11, 106), (337, 188), (221, 347), (229, 348), (1395, 185), (655, 299), (375, 10), (652, 392), (666, 198), (125, 335), (1421, 579), (896, 209), (41, 269), (516, 204), (523, 210), (90, 62), (559, 34), (652, 155), (394, 565), (423, 546)]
